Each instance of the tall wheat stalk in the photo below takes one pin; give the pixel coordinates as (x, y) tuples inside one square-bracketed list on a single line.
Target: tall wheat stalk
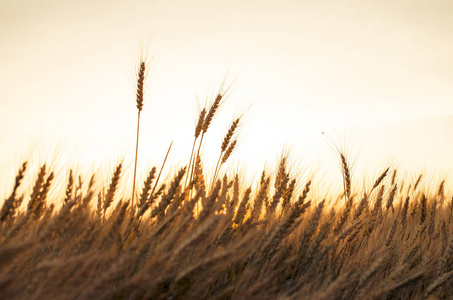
[(200, 123), (206, 117), (139, 100), (207, 122), (226, 148)]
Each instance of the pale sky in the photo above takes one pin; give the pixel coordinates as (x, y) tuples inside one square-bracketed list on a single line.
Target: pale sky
[(377, 74)]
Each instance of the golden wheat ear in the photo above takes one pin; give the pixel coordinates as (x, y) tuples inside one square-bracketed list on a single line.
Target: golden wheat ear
[(114, 183), (140, 85), (227, 146), (9, 207), (346, 177), (197, 133), (141, 77)]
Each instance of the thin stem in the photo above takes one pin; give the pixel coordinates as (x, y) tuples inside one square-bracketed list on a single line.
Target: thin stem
[(190, 161), (136, 157), (217, 168), (160, 172), (198, 154)]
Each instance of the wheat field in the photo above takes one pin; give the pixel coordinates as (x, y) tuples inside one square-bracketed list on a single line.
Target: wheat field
[(212, 236)]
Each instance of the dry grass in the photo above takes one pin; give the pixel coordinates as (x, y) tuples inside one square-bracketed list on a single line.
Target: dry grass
[(183, 239)]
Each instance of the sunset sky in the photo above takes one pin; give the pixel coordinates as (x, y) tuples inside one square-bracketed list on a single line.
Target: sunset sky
[(375, 76)]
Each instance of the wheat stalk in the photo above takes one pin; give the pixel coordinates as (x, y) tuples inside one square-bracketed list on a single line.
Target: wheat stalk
[(226, 148), (198, 127), (210, 114), (162, 167), (139, 103)]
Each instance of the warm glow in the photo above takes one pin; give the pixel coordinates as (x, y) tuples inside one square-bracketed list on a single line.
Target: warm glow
[(377, 75)]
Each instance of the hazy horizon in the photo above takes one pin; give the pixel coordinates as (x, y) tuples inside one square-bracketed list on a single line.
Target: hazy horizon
[(304, 67)]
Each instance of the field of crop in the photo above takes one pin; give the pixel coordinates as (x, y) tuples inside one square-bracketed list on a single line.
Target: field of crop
[(188, 237)]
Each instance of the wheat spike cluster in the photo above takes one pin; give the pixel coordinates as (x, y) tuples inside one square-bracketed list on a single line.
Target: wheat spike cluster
[(197, 235)]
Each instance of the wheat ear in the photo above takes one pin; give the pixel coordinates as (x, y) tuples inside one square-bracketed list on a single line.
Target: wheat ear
[(9, 207), (207, 122), (112, 188), (346, 177), (379, 179), (210, 116), (139, 100), (144, 196), (198, 128), (159, 211), (417, 182), (226, 146), (36, 188), (69, 187)]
